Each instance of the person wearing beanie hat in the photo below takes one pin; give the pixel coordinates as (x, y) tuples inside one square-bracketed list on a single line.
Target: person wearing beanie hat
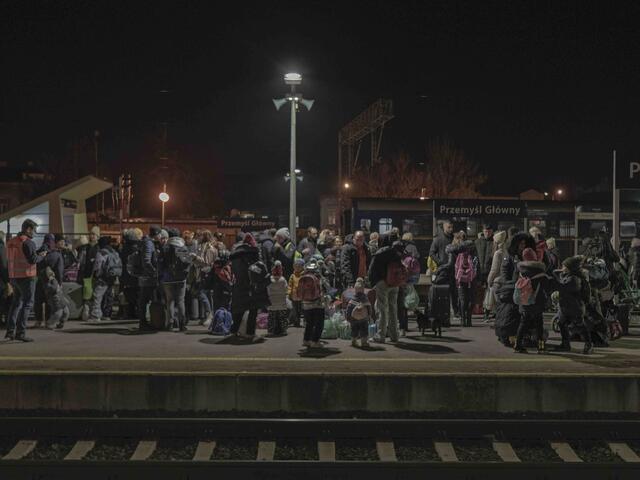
[(500, 251), (203, 261), (296, 301), (311, 289), (530, 295), (278, 308), (148, 280), (106, 268), (284, 250), (249, 240), (163, 236), (359, 314), (575, 292)]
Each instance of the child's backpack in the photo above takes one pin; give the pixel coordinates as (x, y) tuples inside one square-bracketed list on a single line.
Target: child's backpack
[(465, 269), (222, 321), (309, 288), (259, 276), (412, 265), (396, 274), (524, 294)]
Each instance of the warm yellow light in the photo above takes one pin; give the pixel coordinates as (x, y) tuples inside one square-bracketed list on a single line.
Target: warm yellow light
[(164, 197), (347, 185), (560, 191)]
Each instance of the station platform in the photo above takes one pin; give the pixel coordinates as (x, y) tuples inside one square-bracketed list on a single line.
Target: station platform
[(113, 367)]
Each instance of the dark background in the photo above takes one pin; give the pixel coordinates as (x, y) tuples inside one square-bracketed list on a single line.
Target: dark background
[(537, 92)]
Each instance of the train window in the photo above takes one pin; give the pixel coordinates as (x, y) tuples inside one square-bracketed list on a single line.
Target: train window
[(567, 228), (385, 224), (365, 224)]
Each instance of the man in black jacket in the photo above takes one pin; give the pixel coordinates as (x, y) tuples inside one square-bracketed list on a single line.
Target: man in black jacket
[(355, 260), (437, 252), (308, 245), (148, 281)]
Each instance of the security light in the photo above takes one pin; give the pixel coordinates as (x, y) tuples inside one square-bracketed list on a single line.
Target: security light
[(293, 79)]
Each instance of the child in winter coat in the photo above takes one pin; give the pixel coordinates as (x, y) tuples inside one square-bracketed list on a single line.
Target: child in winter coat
[(359, 313), (531, 287), (296, 302), (57, 300), (278, 308), (574, 291), (311, 292)]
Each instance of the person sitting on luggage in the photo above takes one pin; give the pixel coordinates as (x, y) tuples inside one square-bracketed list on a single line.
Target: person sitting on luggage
[(278, 308), (296, 302), (530, 295), (574, 292), (359, 314), (57, 300)]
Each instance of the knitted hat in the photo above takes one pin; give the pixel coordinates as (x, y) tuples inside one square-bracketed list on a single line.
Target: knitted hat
[(249, 240), (299, 262), (283, 232), (154, 230), (58, 237), (173, 232), (49, 240), (529, 255), (276, 271), (500, 237), (573, 264), (95, 230), (163, 233), (104, 242), (359, 285)]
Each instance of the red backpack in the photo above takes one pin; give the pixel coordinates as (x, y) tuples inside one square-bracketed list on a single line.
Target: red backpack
[(309, 288), (397, 275), (465, 270)]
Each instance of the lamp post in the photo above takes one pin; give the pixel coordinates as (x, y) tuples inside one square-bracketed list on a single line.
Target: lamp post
[(164, 198), (294, 98)]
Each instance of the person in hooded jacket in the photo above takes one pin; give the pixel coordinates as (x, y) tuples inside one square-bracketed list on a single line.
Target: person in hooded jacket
[(265, 245), (437, 251), (242, 297), (173, 267), (507, 312), (129, 283), (284, 250), (278, 309), (461, 246), (500, 251), (102, 281), (40, 306), (307, 247), (386, 295), (575, 291), (148, 280), (222, 282), (531, 315)]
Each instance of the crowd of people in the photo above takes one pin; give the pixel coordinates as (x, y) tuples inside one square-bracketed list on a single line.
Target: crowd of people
[(165, 278)]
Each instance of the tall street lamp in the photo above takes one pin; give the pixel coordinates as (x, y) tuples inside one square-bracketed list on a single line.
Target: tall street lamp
[(294, 98), (164, 198)]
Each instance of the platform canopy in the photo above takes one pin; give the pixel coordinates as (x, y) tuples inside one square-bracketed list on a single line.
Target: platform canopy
[(60, 211)]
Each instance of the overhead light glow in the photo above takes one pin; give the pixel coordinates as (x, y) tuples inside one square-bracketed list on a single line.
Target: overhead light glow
[(347, 185), (164, 197), (293, 79)]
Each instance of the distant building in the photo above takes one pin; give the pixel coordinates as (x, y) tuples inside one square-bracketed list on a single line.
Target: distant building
[(18, 185)]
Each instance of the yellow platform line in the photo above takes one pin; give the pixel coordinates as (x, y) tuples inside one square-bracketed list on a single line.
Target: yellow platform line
[(536, 359)]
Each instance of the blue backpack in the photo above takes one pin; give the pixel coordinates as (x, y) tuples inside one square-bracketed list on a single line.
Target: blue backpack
[(221, 324)]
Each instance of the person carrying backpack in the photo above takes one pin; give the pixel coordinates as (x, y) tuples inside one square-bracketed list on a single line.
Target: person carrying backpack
[(310, 292), (173, 267), (530, 294), (465, 267), (57, 300), (106, 268), (242, 258)]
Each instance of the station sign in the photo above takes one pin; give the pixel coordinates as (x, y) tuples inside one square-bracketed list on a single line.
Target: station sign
[(248, 224), (479, 209), (628, 172)]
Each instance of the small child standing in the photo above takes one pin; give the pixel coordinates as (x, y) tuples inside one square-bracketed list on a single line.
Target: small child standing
[(359, 314), (296, 301), (310, 291), (57, 301), (278, 308)]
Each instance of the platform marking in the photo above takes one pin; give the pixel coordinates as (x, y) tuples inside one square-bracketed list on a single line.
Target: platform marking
[(506, 452), (80, 449), (327, 451), (266, 451), (537, 359), (21, 450), (204, 451), (446, 452), (144, 450), (386, 451), (565, 452), (624, 452)]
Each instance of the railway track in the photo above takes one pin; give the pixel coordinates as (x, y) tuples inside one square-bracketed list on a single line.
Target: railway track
[(194, 448)]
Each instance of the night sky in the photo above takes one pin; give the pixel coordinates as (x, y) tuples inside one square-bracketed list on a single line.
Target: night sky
[(537, 92)]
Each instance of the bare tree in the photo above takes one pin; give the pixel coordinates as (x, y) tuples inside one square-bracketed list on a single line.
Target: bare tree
[(449, 174), (396, 177)]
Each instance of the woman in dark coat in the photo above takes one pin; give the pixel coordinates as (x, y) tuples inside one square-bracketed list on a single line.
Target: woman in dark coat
[(507, 312), (244, 255)]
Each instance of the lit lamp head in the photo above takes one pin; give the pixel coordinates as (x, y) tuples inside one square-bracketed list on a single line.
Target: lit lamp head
[(293, 79), (164, 197)]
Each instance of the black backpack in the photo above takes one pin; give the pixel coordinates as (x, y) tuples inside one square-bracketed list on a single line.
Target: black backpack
[(134, 263), (112, 265), (179, 262), (259, 276)]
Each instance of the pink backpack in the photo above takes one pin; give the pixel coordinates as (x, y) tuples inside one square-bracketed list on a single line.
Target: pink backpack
[(309, 288), (412, 265), (465, 269)]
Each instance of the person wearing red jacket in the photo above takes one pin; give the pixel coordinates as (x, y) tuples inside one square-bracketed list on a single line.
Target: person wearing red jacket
[(22, 258)]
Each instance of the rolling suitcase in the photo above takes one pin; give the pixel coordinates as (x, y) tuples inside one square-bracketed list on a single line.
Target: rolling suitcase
[(157, 315), (440, 306)]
